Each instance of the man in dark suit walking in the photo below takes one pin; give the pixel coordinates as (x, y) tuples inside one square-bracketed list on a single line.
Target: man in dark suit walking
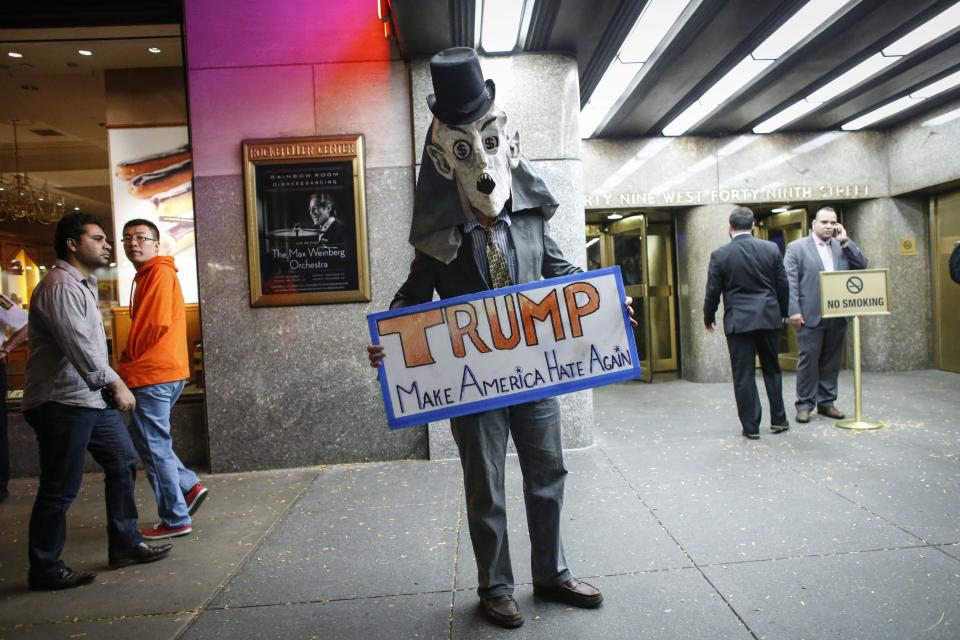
[(749, 274), (827, 248)]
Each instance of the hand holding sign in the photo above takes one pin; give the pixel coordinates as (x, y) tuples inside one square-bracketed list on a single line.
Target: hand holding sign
[(375, 353)]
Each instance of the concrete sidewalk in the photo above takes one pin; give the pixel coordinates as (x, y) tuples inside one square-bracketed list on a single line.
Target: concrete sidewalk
[(690, 530)]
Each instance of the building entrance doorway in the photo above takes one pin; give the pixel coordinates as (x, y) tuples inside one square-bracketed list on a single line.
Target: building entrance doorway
[(945, 233), (783, 228), (643, 246)]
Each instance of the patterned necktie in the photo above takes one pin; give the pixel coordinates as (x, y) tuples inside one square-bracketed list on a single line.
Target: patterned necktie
[(496, 263)]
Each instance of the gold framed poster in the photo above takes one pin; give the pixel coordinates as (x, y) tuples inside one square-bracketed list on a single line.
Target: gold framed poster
[(306, 221)]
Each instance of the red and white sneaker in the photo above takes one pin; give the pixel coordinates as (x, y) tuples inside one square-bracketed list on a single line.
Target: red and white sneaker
[(195, 497), (162, 530)]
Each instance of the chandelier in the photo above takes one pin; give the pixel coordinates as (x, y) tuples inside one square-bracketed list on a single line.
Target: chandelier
[(21, 200)]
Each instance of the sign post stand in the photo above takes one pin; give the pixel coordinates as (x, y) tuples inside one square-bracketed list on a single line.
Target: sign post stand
[(855, 293), (858, 422)]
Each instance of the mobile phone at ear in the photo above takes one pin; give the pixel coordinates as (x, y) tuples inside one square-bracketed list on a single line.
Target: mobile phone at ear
[(836, 231)]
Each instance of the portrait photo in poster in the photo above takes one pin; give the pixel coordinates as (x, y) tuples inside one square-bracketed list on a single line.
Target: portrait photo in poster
[(306, 223), (153, 180)]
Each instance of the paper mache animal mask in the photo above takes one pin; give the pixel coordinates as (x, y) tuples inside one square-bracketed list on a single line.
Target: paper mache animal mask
[(471, 164)]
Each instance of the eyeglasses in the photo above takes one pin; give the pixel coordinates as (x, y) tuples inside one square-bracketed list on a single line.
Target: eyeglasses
[(139, 238)]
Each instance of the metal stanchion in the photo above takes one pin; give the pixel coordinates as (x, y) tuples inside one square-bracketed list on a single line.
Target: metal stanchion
[(858, 422)]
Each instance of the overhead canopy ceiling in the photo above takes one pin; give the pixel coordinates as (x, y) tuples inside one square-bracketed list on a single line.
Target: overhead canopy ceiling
[(712, 38)]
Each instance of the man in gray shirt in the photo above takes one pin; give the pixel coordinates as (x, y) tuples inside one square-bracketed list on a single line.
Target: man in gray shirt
[(68, 376)]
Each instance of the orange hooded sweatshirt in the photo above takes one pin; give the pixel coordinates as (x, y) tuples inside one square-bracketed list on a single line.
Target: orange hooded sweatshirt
[(157, 346)]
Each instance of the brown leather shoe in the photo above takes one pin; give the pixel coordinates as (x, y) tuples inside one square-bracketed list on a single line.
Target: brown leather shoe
[(573, 592), (502, 611), (803, 415), (831, 412)]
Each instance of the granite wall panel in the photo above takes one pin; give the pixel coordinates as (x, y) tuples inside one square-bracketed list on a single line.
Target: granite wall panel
[(903, 340), (290, 386), (686, 171), (826, 165), (700, 230), (538, 92), (923, 152)]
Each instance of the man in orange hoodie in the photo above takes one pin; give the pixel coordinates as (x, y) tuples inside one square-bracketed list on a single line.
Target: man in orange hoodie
[(155, 366)]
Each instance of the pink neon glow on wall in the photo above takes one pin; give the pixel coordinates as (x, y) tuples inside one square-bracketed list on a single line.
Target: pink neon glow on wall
[(227, 33), (253, 70)]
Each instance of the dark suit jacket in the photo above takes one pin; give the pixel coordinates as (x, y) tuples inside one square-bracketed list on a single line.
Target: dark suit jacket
[(749, 274), (537, 255), (335, 232), (803, 265)]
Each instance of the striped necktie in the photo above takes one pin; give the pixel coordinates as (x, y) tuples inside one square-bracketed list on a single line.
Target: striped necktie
[(496, 263)]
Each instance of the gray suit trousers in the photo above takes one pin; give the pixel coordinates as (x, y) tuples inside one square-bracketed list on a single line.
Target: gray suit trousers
[(821, 350), (482, 441)]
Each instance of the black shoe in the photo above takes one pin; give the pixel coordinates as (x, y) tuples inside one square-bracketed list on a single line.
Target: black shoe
[(65, 578), (573, 592), (140, 554), (803, 415), (502, 611), (4, 494), (751, 436), (780, 427)]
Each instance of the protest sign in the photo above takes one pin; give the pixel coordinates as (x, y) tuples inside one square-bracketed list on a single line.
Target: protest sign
[(503, 347)]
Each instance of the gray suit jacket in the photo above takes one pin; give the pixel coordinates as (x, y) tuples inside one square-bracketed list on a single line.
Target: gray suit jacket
[(537, 255), (803, 266)]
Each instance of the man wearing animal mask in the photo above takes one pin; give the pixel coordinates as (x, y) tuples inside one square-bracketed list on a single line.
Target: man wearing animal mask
[(480, 222)]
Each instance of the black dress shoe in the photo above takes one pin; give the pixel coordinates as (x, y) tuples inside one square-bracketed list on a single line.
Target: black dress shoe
[(502, 611), (779, 427), (831, 412), (4, 494), (751, 436), (573, 592), (65, 578), (140, 554)]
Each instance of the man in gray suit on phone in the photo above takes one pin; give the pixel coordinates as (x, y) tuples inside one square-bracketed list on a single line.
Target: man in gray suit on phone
[(827, 248)]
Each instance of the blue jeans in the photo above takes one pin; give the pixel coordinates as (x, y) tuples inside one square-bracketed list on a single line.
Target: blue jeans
[(64, 435), (151, 433)]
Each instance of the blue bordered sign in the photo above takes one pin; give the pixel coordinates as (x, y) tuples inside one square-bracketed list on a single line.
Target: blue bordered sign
[(498, 348)]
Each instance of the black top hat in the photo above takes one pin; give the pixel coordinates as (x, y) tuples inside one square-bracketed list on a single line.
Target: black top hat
[(460, 93)]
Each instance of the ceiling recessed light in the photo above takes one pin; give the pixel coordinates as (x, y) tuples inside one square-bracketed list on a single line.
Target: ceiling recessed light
[(14, 54), (85, 52), (154, 49), (614, 216), (76, 208)]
